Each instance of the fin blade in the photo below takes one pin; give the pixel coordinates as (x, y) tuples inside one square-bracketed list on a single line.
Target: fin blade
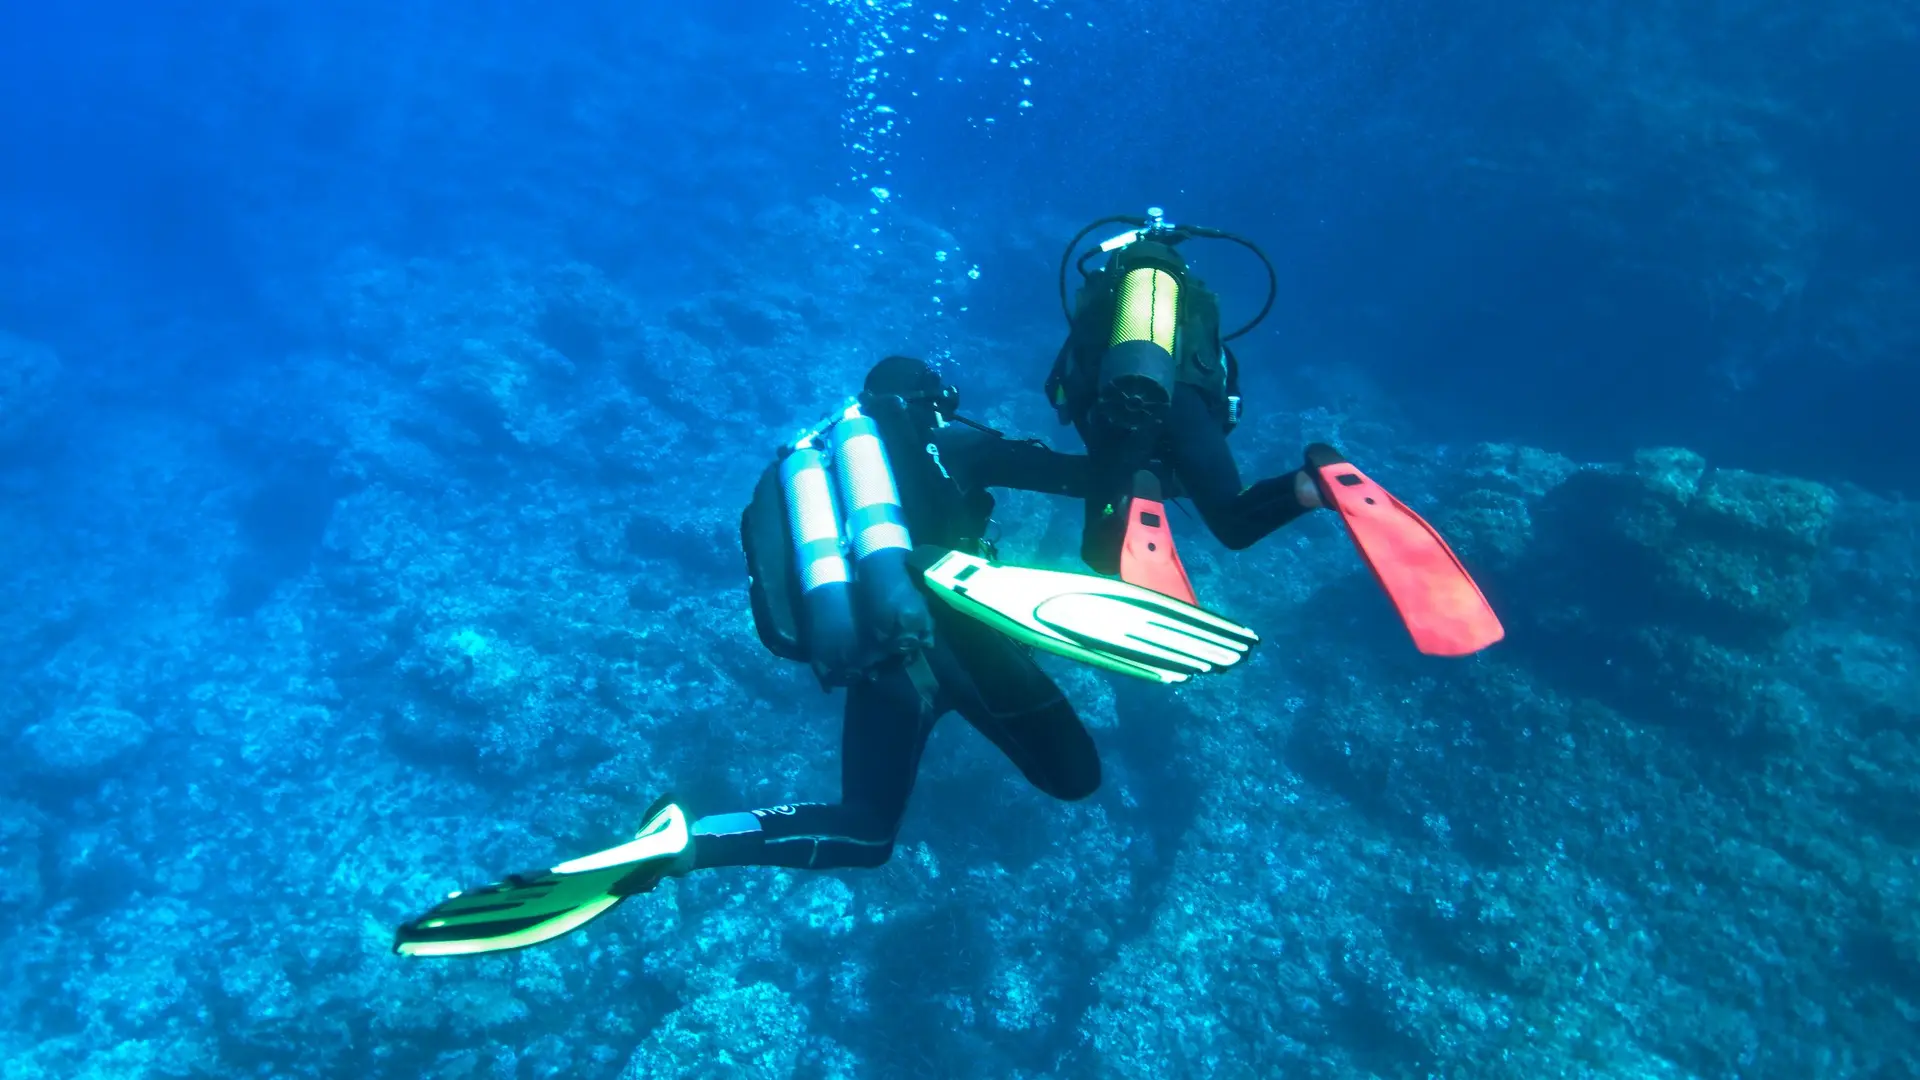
[(1099, 624), (512, 914), (1116, 625), (538, 906), (1438, 601)]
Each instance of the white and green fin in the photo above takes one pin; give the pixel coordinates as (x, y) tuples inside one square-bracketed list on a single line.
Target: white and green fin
[(1096, 620), (527, 909)]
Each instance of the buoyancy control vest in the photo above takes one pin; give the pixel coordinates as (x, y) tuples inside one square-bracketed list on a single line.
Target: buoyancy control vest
[(1141, 325)]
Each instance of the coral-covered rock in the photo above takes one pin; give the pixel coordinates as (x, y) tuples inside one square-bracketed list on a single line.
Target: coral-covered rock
[(1738, 546), (1485, 527), (1722, 552), (754, 1032), (84, 743), (1745, 546), (1523, 471)]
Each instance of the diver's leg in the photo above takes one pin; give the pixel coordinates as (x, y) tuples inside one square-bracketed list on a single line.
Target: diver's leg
[(1114, 456), (998, 688), (883, 733), (1196, 447)]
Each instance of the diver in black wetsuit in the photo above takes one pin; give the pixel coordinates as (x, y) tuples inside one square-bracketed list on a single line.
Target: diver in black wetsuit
[(918, 661), (1190, 445), (1147, 379), (986, 677)]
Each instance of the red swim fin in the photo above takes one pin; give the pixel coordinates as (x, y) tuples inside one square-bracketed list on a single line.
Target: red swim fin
[(1436, 597), (1147, 556)]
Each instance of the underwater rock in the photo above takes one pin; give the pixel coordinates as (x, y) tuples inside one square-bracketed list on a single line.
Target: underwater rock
[(755, 1032), (1488, 528), (1737, 546), (1667, 586), (1516, 470), (1659, 485), (28, 373), (717, 319), (1670, 539), (586, 318), (83, 743), (20, 853), (1490, 522)]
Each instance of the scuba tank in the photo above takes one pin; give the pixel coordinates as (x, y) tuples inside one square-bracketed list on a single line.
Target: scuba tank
[(826, 544), (1137, 370), (1141, 324), (889, 606), (826, 577)]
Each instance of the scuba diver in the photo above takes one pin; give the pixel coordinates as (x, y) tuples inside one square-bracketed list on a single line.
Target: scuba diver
[(1148, 380), (867, 560)]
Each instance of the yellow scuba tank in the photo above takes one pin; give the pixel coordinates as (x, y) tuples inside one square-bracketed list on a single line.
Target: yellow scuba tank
[(1137, 370), (1126, 340)]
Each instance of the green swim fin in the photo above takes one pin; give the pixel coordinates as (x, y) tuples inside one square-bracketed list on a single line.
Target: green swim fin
[(540, 905), (1095, 620)]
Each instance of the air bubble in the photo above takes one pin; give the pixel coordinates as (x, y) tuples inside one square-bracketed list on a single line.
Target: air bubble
[(987, 70)]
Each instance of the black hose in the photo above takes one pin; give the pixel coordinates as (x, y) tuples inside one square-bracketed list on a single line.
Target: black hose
[(1273, 280), (1081, 264), (1182, 232)]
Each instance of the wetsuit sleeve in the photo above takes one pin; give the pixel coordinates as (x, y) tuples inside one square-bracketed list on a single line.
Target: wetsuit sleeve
[(993, 461)]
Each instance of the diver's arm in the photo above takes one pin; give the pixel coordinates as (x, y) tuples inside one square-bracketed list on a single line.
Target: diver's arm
[(990, 460)]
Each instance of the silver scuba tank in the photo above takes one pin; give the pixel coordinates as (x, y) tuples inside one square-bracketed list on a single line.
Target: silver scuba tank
[(893, 616), (826, 578)]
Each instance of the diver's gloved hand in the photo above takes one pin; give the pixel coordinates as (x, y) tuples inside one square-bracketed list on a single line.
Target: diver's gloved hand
[(540, 905)]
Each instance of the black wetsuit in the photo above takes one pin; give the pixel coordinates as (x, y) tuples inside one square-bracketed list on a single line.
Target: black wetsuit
[(1191, 445), (984, 676)]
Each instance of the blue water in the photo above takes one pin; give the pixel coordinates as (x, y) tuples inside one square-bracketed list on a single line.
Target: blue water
[(380, 386)]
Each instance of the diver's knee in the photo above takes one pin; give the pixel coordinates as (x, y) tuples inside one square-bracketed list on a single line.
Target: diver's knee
[(1079, 792), (871, 856), (871, 836), (1232, 534), (1079, 783)]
